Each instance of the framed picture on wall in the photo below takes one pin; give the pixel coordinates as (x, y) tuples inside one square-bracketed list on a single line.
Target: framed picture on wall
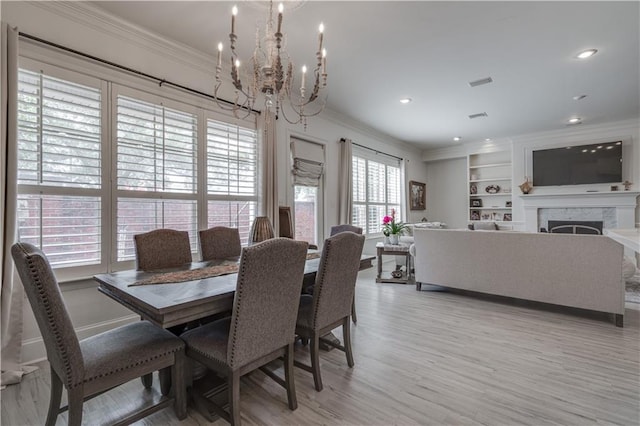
[(417, 195)]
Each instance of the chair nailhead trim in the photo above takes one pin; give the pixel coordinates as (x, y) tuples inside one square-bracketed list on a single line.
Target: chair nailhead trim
[(52, 323)]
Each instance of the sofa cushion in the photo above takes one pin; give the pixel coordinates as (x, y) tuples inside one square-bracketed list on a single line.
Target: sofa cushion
[(483, 226)]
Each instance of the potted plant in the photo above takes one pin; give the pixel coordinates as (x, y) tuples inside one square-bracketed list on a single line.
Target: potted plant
[(393, 228)]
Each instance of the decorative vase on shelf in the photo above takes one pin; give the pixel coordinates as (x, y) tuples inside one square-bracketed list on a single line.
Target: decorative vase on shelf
[(393, 239)]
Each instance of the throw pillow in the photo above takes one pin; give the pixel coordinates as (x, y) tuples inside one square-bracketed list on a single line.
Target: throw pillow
[(483, 226)]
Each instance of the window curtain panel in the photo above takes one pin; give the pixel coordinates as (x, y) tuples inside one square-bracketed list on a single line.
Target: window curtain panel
[(308, 162), (11, 293), (269, 202), (345, 182)]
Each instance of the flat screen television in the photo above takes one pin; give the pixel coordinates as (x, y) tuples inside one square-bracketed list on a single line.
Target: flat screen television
[(577, 165)]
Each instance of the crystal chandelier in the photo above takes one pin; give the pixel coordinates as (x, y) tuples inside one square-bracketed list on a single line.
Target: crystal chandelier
[(271, 75)]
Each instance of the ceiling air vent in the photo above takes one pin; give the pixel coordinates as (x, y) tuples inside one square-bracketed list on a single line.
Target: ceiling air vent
[(478, 115), (481, 82)]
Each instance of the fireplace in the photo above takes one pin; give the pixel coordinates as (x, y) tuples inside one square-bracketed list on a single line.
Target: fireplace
[(616, 209), (593, 227)]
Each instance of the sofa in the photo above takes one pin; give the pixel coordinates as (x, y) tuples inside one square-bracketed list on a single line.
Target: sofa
[(581, 271)]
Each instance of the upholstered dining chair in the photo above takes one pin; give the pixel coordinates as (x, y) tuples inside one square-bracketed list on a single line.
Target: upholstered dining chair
[(89, 367), (220, 242), (330, 304), (336, 229), (162, 248), (261, 327)]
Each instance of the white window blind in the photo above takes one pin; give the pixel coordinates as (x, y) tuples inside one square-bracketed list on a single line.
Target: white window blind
[(376, 189), (232, 176), (59, 168), (308, 162), (168, 168), (157, 157)]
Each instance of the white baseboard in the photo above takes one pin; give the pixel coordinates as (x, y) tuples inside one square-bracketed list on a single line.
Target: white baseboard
[(33, 350)]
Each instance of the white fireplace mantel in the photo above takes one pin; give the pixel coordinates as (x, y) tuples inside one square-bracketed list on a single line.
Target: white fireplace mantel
[(625, 203)]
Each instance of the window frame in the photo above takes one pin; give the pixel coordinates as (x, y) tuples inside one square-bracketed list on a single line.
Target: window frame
[(72, 272), (387, 161), (111, 82)]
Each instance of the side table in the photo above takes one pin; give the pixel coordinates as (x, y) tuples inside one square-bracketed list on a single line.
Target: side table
[(394, 250)]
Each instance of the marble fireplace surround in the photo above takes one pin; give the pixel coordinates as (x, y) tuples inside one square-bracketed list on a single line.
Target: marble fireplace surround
[(616, 209)]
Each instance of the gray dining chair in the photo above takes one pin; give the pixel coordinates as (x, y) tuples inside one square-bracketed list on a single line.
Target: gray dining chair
[(330, 305), (336, 229), (162, 248), (89, 367), (220, 242), (261, 327)]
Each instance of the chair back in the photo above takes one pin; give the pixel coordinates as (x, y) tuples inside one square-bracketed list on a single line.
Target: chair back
[(336, 229), (336, 278), (220, 242), (265, 305), (285, 222), (162, 248), (50, 311)]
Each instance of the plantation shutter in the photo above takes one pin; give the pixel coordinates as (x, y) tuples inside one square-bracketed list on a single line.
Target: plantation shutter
[(59, 168)]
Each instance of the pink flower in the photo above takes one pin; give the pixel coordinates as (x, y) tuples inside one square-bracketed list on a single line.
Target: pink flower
[(386, 219)]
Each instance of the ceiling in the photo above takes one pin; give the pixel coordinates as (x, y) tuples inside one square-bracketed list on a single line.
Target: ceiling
[(382, 51)]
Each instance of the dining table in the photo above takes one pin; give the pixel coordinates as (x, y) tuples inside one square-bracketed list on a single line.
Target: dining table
[(168, 297)]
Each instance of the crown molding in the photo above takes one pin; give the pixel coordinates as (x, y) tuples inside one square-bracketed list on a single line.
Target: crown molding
[(99, 20), (580, 131)]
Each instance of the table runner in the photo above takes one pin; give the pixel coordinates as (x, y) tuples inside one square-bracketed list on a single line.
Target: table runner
[(227, 267)]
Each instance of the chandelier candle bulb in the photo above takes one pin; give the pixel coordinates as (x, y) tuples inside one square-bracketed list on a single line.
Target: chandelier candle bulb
[(324, 61), (280, 10), (304, 76), (219, 55), (234, 12), (321, 29)]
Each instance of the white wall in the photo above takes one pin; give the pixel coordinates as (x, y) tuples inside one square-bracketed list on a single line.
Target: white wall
[(447, 192), (79, 26)]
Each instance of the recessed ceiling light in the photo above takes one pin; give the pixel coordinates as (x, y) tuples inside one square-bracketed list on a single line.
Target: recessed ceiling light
[(405, 100), (587, 53), (579, 97), (457, 138), (487, 140), (575, 120)]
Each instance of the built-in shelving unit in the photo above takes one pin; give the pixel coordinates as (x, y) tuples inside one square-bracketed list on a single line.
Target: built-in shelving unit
[(489, 183)]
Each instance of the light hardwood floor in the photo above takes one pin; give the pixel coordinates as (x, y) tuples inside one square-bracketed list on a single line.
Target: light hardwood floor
[(428, 357)]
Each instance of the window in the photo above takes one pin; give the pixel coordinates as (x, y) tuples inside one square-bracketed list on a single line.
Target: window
[(376, 189), (156, 171), (307, 169), (90, 178), (232, 176), (305, 208), (59, 168)]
